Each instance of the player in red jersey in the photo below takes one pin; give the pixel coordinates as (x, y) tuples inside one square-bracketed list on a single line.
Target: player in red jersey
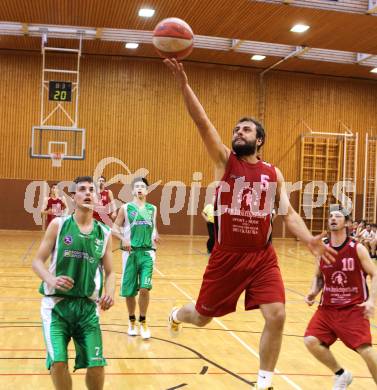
[(105, 205), (345, 306), (53, 205), (243, 258)]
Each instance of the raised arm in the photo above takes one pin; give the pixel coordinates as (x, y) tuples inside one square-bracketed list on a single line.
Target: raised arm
[(218, 152), (297, 226), (370, 268)]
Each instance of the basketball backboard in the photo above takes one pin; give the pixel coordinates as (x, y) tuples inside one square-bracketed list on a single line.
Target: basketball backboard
[(46, 140)]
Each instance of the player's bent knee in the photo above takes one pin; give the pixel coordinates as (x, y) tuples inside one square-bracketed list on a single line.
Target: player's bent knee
[(364, 350), (276, 317), (280, 316), (311, 342), (143, 291), (202, 320)]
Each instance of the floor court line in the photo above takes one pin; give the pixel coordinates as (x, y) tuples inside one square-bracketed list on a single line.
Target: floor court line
[(176, 373), (246, 346), (28, 251)]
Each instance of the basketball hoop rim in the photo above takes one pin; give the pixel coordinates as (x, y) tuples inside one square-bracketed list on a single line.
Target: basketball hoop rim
[(57, 156), (57, 159)]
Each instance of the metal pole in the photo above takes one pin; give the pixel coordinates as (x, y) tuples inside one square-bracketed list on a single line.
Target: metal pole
[(344, 159), (299, 50), (262, 99), (365, 174), (78, 83), (375, 182), (355, 175), (42, 82)]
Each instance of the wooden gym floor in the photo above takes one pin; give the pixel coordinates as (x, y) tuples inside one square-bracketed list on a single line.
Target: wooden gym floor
[(222, 356)]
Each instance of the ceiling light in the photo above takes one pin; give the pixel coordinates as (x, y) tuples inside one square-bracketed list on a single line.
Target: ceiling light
[(300, 28), (258, 57), (132, 45), (374, 70), (146, 12), (34, 28)]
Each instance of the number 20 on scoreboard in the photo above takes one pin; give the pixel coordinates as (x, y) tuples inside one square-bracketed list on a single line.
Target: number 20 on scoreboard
[(60, 91)]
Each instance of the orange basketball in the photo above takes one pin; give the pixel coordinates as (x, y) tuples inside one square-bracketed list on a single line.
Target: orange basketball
[(173, 38)]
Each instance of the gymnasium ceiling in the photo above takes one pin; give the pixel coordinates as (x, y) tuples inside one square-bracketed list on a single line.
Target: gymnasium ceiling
[(341, 41)]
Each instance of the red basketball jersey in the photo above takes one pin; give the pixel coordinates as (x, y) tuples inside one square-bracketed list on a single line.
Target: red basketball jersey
[(244, 202), (104, 199), (345, 280), (56, 206)]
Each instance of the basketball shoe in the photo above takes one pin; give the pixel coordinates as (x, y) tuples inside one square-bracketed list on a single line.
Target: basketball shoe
[(132, 328), (145, 333), (341, 382), (174, 327)]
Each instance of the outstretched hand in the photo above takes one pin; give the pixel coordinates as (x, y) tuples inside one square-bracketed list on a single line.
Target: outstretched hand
[(319, 249), (177, 70)]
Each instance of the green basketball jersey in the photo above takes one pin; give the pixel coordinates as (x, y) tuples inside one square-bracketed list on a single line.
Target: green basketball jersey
[(78, 256), (139, 225)]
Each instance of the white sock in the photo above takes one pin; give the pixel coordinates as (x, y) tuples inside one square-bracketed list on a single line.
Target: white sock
[(174, 315), (264, 379)]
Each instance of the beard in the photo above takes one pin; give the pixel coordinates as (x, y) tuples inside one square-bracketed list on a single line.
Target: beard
[(245, 149)]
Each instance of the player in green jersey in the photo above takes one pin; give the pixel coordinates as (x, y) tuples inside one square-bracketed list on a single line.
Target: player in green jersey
[(80, 250), (137, 221)]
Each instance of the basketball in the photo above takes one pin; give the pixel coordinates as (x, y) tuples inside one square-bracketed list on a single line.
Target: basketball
[(173, 38)]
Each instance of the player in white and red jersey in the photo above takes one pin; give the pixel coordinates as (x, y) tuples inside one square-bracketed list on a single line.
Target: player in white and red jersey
[(243, 259), (104, 208), (54, 205), (346, 305)]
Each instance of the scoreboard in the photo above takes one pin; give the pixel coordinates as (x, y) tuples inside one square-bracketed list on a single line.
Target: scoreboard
[(60, 91)]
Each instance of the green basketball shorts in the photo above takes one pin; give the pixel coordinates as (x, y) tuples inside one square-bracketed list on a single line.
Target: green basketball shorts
[(76, 318), (137, 271)]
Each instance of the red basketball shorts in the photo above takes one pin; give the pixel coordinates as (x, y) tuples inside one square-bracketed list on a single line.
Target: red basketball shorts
[(347, 324), (228, 274)]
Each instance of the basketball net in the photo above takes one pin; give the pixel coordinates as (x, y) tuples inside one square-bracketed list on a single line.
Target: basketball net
[(56, 159)]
